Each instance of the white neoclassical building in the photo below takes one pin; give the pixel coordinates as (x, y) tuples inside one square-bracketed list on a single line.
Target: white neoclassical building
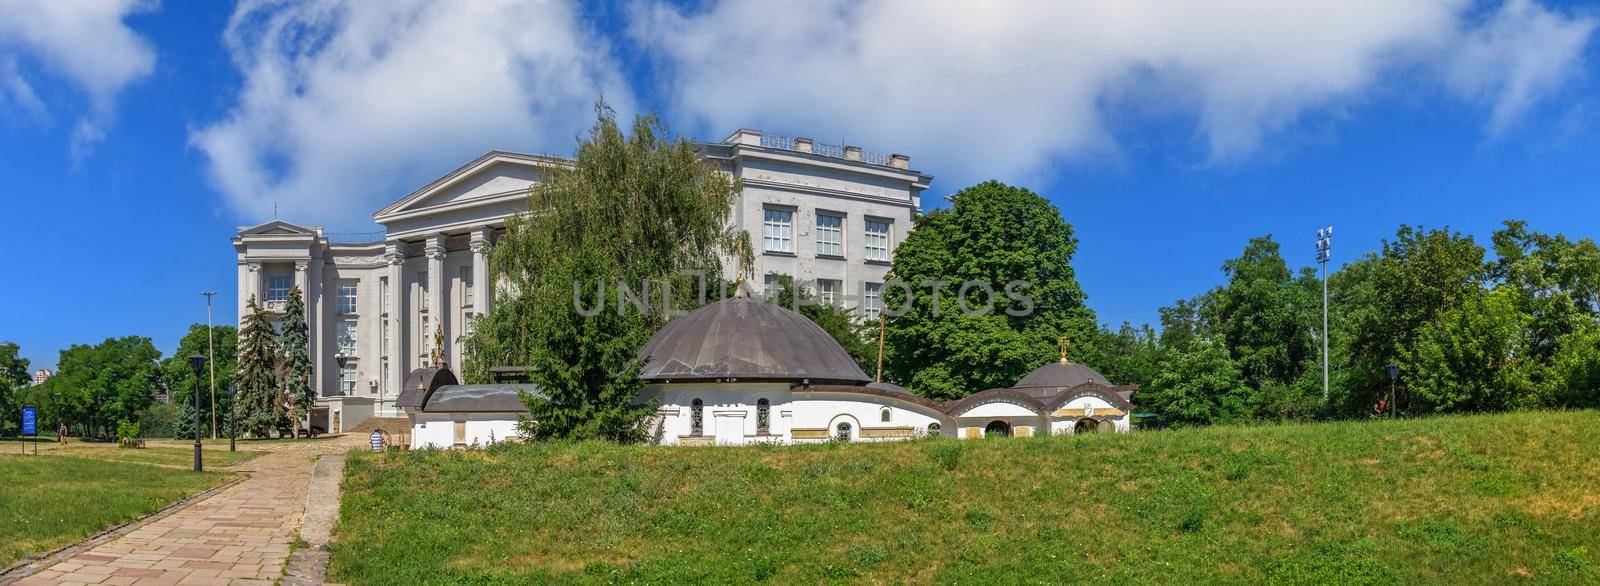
[(741, 371), (827, 215)]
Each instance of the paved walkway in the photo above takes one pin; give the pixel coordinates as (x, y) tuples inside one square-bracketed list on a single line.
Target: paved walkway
[(240, 535)]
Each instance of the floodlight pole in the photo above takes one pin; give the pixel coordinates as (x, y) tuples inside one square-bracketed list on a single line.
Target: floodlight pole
[(1324, 252), (211, 357)]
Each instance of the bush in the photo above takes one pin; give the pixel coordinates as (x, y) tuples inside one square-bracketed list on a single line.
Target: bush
[(127, 434)]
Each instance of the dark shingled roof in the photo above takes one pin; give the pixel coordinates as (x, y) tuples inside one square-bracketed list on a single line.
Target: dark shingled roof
[(1061, 374), (747, 339), (421, 383), (490, 398)]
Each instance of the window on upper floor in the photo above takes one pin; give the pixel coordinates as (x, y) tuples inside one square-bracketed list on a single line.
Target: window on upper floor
[(278, 288), (877, 240), (830, 291), (830, 234), (466, 286), (872, 299), (771, 285), (347, 296), (345, 334), (777, 231)]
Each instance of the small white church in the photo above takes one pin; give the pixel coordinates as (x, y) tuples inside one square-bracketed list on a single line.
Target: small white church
[(742, 371)]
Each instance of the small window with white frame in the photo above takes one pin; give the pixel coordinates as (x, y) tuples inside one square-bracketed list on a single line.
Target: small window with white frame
[(877, 240), (884, 415), (830, 234), (348, 291), (872, 299), (830, 291), (466, 286), (346, 336), (777, 230), (347, 379), (278, 288)]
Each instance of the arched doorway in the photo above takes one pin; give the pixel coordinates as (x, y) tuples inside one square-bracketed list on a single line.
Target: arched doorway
[(1086, 425), (997, 428)]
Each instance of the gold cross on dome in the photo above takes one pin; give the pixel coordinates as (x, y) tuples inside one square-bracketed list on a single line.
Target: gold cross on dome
[(1064, 343)]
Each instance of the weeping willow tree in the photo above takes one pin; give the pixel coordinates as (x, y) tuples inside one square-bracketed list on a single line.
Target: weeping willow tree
[(640, 209)]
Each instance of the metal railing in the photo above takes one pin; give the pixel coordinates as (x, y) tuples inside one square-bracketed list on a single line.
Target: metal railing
[(835, 151)]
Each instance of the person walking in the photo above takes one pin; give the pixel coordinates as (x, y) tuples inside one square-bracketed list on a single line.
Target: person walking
[(377, 440)]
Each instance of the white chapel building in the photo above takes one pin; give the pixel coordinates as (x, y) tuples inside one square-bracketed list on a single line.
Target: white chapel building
[(829, 216)]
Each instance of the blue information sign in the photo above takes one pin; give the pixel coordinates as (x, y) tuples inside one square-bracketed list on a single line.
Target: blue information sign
[(28, 420)]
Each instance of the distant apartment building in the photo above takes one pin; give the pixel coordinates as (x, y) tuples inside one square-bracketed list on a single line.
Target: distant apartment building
[(42, 375), (827, 215)]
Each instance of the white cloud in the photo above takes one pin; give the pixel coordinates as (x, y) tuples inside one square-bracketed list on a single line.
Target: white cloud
[(85, 43), (1010, 88), (348, 105), (1520, 54)]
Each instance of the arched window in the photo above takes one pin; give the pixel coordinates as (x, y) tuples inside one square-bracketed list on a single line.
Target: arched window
[(763, 416), (884, 415), (997, 428), (842, 431), (1084, 426), (697, 417), (933, 428)]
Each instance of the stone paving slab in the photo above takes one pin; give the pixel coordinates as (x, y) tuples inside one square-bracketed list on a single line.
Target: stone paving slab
[(240, 535)]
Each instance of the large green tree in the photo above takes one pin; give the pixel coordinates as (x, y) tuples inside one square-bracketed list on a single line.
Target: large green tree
[(294, 363), (638, 208), (1200, 385), (1383, 302), (260, 408), (179, 379), (109, 382), (13, 378), (994, 234)]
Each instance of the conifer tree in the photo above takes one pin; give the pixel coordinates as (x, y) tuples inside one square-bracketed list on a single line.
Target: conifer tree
[(257, 374), (294, 344)]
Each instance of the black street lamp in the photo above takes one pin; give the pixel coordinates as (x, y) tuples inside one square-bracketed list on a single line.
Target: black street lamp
[(1394, 373), (197, 363)]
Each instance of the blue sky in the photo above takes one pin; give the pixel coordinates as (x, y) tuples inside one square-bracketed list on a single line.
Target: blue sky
[(137, 136)]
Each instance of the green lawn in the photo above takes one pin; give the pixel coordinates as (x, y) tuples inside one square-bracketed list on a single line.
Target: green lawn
[(168, 455), (1498, 499), (47, 502)]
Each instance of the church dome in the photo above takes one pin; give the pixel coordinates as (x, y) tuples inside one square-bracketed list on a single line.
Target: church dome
[(747, 339), (1061, 375)]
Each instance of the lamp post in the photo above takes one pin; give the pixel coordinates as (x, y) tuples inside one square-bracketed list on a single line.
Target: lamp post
[(1394, 373), (1324, 252), (211, 356), (197, 362), (341, 359)]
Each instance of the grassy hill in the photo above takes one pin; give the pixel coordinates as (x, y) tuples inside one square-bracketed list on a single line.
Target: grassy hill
[(1495, 498)]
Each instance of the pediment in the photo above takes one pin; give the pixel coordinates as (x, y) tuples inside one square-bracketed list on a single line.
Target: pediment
[(492, 176), (279, 228)]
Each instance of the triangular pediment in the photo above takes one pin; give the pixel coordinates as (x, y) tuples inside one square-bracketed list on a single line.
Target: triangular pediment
[(279, 228), (493, 175)]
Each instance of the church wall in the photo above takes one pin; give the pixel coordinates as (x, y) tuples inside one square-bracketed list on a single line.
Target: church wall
[(438, 430), (824, 411)]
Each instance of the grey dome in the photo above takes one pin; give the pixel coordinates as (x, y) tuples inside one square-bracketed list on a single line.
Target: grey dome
[(744, 338), (1061, 374)]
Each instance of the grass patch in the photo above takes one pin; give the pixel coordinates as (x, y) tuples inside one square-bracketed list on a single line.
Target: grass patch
[(50, 502), (168, 456), (1493, 498)]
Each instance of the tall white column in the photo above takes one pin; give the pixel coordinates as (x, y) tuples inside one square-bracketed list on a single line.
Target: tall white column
[(315, 320), (247, 274), (394, 320), (436, 284), (480, 270)]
